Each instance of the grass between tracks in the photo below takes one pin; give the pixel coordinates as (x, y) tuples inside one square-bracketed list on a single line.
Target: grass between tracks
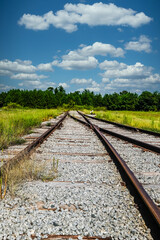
[(16, 122), (27, 169), (144, 120)]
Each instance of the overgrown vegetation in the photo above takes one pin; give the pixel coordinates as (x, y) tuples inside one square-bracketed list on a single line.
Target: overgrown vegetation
[(53, 98), (26, 170), (16, 122), (3, 181), (144, 120)]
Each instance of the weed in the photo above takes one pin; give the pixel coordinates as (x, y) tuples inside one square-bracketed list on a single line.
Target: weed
[(18, 141), (24, 170), (144, 120), (17, 122), (55, 165), (53, 173), (3, 180)]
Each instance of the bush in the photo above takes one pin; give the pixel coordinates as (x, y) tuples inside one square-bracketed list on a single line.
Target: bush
[(12, 106)]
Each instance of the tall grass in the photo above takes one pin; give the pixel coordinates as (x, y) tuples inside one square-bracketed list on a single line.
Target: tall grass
[(145, 120), (17, 122)]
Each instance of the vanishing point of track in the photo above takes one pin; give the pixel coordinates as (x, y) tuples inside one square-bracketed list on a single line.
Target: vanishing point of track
[(89, 198)]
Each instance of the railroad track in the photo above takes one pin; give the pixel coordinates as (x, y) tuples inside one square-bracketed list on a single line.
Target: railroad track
[(86, 197), (142, 157)]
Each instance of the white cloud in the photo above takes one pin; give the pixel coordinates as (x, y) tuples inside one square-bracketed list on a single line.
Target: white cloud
[(5, 72), (106, 65), (45, 67), (105, 80), (97, 48), (143, 44), (30, 83), (120, 29), (34, 22), (98, 14), (91, 84), (120, 76), (64, 85), (4, 87), (81, 81), (128, 71), (93, 89), (17, 66), (85, 64), (28, 76), (37, 84), (83, 58)]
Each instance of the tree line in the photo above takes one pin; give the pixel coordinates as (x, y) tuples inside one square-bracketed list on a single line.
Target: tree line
[(55, 97)]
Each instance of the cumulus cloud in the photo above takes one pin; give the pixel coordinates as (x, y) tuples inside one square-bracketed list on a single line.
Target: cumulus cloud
[(8, 67), (98, 14), (45, 67), (129, 71), (64, 85), (84, 57), (94, 89), (37, 84), (142, 44), (85, 64), (4, 87), (16, 66), (106, 65), (98, 48), (28, 76), (24, 70), (81, 81), (122, 76), (91, 84), (105, 80), (5, 72)]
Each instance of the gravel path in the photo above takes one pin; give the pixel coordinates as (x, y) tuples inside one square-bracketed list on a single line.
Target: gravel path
[(85, 197)]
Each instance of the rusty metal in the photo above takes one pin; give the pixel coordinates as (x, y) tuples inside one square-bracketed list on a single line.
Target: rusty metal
[(145, 145), (154, 210), (79, 154), (67, 237), (132, 140), (35, 143), (125, 126)]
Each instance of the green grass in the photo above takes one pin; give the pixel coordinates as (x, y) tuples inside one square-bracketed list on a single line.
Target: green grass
[(144, 120), (17, 122)]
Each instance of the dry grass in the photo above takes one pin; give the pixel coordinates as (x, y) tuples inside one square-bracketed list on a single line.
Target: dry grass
[(25, 170)]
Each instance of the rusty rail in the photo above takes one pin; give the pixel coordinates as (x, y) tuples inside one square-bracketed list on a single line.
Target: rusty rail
[(31, 146), (145, 145), (125, 126), (153, 209)]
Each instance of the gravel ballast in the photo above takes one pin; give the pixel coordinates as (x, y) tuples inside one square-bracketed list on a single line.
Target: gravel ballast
[(85, 198)]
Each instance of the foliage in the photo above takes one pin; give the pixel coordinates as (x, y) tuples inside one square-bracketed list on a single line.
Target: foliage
[(27, 169), (3, 180), (145, 120), (17, 122), (53, 98)]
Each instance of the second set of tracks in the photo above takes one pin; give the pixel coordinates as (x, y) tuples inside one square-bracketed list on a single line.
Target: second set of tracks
[(88, 197)]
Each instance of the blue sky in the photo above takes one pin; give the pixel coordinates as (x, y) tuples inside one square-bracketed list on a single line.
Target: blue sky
[(103, 46)]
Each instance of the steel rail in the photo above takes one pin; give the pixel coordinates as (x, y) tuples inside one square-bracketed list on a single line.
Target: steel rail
[(153, 209), (31, 146), (145, 145), (125, 126)]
